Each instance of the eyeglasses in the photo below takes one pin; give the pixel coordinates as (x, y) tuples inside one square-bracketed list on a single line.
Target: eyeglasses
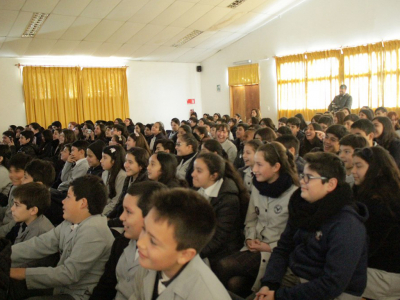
[(308, 177)]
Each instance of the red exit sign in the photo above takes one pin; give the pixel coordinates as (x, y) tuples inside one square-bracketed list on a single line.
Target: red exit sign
[(191, 101)]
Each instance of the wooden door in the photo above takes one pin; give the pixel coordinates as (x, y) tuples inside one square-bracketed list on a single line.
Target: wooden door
[(244, 99)]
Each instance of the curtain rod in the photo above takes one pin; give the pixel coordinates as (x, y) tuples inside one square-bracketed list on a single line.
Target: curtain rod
[(21, 65)]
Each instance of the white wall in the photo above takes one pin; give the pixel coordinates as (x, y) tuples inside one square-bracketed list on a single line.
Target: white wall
[(156, 91), (311, 26)]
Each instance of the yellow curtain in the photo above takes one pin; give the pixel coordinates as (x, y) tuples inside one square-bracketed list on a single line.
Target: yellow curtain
[(52, 94), (104, 93), (244, 75)]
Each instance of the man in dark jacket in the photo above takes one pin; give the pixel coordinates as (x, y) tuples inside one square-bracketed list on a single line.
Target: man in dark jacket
[(341, 101)]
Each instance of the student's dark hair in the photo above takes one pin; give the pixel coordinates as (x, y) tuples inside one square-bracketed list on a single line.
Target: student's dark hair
[(140, 141), (266, 134), (117, 154), (355, 141), (276, 153), (20, 128), (141, 156), (102, 134), (244, 125), (255, 144), (337, 130), (180, 208), (190, 140), (316, 126), (294, 121), (41, 171), (13, 127), (5, 153), (233, 120), (187, 128), (284, 130), (202, 130), (168, 164), (68, 146), (47, 135), (193, 114), (69, 136), (28, 135), (194, 120), (10, 134), (340, 117), (326, 165), (382, 109), (119, 120), (81, 145), (226, 118), (289, 141), (254, 121), (258, 113), (210, 118), (144, 191), (346, 108), (80, 135), (388, 134), (130, 121), (283, 120), (93, 189), (122, 128), (35, 125), (19, 161), (368, 112), (351, 117), (176, 121), (363, 124), (215, 147), (268, 122), (316, 118), (223, 126), (303, 123), (238, 116), (219, 115), (221, 120), (120, 139), (327, 120), (167, 144), (141, 126), (33, 194)]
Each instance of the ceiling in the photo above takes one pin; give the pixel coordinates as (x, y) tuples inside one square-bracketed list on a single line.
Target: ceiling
[(133, 29)]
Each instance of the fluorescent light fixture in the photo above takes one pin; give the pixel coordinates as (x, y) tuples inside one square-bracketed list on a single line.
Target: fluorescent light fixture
[(34, 25), (187, 38), (242, 62), (235, 4)]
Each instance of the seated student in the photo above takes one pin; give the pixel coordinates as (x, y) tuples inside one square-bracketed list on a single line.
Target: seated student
[(64, 156), (250, 149), (366, 113), (283, 130), (274, 182), (239, 142), (5, 182), (114, 175), (45, 148), (17, 166), (222, 186), (386, 137), (347, 146), (324, 242), (282, 122), (83, 240), (377, 185), (294, 125), (186, 150), (35, 128), (213, 130), (381, 112), (332, 137), (119, 129), (137, 140), (93, 155), (117, 140), (349, 120), (26, 143), (116, 281), (31, 200), (202, 133), (313, 138), (325, 122), (222, 135), (71, 172), (212, 146), (365, 128), (346, 111), (165, 145), (175, 123), (265, 135), (177, 228), (292, 145), (193, 122), (158, 132)]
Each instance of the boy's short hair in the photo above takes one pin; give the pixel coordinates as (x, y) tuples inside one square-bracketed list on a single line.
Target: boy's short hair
[(289, 141), (119, 127), (326, 165), (9, 133), (382, 109), (327, 120), (35, 126), (33, 194), (354, 141), (363, 124), (56, 124), (167, 144), (176, 121), (93, 189), (186, 128), (223, 126), (144, 190), (351, 117), (190, 214), (202, 130), (283, 120), (244, 125), (19, 161), (80, 145), (190, 140), (194, 120), (284, 130), (41, 171), (337, 130), (294, 121), (28, 135)]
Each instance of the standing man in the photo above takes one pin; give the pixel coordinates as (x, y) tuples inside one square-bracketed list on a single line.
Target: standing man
[(341, 101)]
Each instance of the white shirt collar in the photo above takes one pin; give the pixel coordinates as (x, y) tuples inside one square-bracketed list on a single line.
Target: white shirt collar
[(79, 161), (212, 191)]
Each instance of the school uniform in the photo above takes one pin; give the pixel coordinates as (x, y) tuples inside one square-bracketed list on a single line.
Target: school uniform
[(230, 149), (185, 168), (195, 282), (119, 183), (247, 176), (84, 250), (6, 220), (5, 182), (71, 172), (155, 138), (97, 171), (37, 227), (29, 149)]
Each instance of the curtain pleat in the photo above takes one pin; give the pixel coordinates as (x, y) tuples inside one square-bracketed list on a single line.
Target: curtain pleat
[(244, 75)]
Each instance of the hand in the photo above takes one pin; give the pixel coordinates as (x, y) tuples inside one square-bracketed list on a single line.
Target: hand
[(265, 294), (71, 159), (252, 245), (18, 273), (320, 134), (261, 246)]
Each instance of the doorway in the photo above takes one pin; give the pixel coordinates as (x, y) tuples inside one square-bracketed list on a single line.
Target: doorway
[(244, 98)]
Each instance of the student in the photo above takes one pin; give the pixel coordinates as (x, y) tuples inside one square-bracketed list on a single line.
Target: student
[(386, 137), (35, 128), (45, 149), (100, 133), (238, 118), (294, 125), (64, 156), (303, 124), (239, 142), (346, 111), (292, 145), (381, 112), (175, 123), (265, 135), (193, 122), (117, 140), (332, 137), (232, 127), (282, 122), (186, 149), (366, 114), (267, 122), (222, 137), (347, 146), (17, 166), (377, 185), (165, 145), (71, 172), (338, 118), (216, 116), (325, 122), (313, 139), (212, 146), (162, 168), (129, 125), (93, 155), (5, 182), (283, 130), (139, 128), (365, 128), (392, 115), (274, 182), (31, 200), (174, 233), (324, 242), (137, 140), (114, 175), (83, 240), (349, 120), (10, 139), (147, 133), (158, 132), (256, 113), (26, 144), (120, 130), (250, 149), (120, 269), (225, 191), (253, 121)]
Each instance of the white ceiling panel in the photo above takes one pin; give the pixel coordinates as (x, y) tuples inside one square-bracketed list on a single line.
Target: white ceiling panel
[(199, 39), (125, 32), (178, 37), (126, 9), (2, 39), (64, 47), (144, 51), (211, 2), (189, 55), (249, 5), (159, 53), (20, 24), (272, 7), (103, 30), (205, 55), (86, 48), (210, 42), (209, 19), (193, 1), (7, 18), (43, 6), (151, 10), (11, 4), (14, 47), (174, 54), (55, 26), (99, 8), (146, 34), (166, 35), (39, 47), (230, 18), (126, 50), (229, 40), (70, 7), (192, 15), (80, 29), (107, 49), (173, 12)]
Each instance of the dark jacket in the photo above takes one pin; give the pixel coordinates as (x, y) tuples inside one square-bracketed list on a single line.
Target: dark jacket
[(29, 149), (131, 129), (158, 137), (394, 150), (5, 264), (307, 146), (239, 162), (45, 150), (333, 259), (98, 171), (340, 102), (228, 237)]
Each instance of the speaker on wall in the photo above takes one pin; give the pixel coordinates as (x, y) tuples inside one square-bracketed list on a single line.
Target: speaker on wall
[(198, 68)]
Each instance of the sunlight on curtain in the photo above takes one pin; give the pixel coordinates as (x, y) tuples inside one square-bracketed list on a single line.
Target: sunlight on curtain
[(244, 75)]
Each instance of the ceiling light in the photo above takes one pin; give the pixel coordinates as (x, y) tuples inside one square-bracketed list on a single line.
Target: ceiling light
[(187, 38), (242, 62), (235, 3), (34, 25)]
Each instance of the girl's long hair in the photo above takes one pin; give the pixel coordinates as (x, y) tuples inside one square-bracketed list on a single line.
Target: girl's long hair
[(388, 133), (117, 154), (140, 141)]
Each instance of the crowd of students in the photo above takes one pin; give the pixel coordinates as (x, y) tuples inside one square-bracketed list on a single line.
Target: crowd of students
[(216, 208)]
